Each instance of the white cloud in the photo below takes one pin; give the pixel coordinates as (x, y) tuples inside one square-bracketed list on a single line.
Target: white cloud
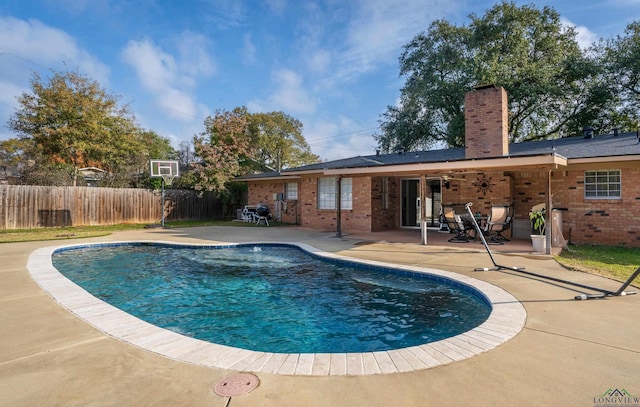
[(155, 68), (8, 103), (9, 92), (170, 81), (248, 51), (28, 46), (194, 58), (225, 14), (277, 7), (48, 47), (320, 61), (289, 96), (584, 36), (380, 28), (339, 42), (338, 138), (340, 45)]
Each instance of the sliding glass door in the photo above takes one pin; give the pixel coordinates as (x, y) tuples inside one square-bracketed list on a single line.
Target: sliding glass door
[(410, 208)]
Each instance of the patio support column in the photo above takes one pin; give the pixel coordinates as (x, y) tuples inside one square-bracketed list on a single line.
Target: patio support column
[(338, 206), (548, 215), (423, 209)]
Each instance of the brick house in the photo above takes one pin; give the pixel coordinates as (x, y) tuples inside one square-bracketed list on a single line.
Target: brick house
[(594, 177)]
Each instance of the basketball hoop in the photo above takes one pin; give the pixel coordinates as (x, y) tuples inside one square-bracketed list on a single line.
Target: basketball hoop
[(167, 170), (160, 168), (168, 179)]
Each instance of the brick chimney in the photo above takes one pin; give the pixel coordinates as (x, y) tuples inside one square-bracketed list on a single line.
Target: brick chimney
[(486, 121)]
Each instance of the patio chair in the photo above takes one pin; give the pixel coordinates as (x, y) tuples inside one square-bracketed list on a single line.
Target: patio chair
[(499, 221), (456, 225), (249, 214)]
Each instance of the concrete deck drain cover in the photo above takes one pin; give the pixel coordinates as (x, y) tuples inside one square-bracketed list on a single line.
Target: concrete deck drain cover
[(236, 385)]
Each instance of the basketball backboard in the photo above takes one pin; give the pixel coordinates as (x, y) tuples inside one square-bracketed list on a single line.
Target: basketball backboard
[(163, 168)]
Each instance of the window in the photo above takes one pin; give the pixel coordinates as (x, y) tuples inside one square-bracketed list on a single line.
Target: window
[(347, 195), (603, 184), (385, 193), (291, 191), (327, 193)]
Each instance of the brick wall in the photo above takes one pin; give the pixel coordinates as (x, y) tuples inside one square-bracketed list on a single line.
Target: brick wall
[(262, 192), (470, 188), (357, 219), (384, 219), (587, 221), (486, 123)]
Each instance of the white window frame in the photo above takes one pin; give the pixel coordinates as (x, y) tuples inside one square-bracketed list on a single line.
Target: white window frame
[(291, 191), (603, 184), (327, 193), (385, 193), (346, 189)]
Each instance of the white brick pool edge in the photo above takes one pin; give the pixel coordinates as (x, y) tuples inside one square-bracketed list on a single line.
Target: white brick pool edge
[(506, 320)]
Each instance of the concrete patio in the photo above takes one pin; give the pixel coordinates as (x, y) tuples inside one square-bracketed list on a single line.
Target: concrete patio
[(569, 353)]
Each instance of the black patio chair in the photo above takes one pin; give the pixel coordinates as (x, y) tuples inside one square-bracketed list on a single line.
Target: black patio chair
[(457, 225)]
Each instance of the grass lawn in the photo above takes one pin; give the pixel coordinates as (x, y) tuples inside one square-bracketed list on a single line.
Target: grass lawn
[(616, 262), (77, 232)]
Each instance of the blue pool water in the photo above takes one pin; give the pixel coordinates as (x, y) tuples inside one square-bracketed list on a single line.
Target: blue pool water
[(274, 298)]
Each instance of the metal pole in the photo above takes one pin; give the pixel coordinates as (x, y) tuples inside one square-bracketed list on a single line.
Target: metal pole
[(486, 245), (626, 283), (548, 215), (423, 209), (162, 202)]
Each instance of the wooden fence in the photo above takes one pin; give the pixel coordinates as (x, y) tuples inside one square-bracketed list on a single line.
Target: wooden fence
[(30, 207)]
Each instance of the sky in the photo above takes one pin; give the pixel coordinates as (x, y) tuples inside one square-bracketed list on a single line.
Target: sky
[(331, 64)]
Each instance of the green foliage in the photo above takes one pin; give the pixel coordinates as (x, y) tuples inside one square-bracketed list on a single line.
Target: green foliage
[(538, 223), (620, 57), (69, 120), (12, 153), (225, 141), (237, 143), (48, 174), (555, 88), (279, 141), (438, 72), (612, 261)]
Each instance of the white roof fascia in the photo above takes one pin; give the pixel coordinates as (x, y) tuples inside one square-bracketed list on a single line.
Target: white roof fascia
[(552, 161)]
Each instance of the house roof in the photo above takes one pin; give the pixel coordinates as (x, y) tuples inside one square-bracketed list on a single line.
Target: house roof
[(545, 152), (579, 147)]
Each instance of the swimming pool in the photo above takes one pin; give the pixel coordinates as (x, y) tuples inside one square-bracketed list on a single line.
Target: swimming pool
[(274, 298), (505, 321)]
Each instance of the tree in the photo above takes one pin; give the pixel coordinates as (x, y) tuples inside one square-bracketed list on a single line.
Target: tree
[(621, 56), (280, 143), (237, 143), (11, 153), (69, 121), (186, 154), (131, 165), (554, 88), (224, 143), (438, 70)]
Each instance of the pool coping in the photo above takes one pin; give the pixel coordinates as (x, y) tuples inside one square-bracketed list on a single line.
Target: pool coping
[(506, 320)]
